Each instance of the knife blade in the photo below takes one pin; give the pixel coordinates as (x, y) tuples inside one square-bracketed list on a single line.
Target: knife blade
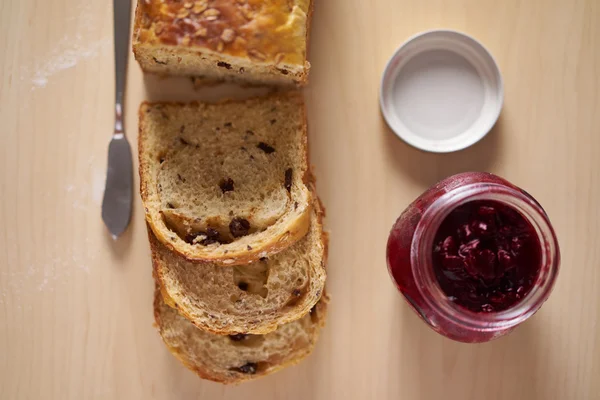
[(118, 193)]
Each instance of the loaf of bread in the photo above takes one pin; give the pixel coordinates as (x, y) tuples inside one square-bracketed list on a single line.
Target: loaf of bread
[(238, 358), (260, 42), (226, 183), (253, 298)]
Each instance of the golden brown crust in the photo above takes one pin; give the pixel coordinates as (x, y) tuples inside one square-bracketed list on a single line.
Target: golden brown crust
[(321, 212), (264, 31), (325, 239), (276, 244), (311, 9), (284, 238)]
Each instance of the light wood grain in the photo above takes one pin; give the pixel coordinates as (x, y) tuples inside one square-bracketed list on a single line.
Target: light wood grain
[(75, 308)]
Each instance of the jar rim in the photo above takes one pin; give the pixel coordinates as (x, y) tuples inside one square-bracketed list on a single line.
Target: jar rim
[(422, 267)]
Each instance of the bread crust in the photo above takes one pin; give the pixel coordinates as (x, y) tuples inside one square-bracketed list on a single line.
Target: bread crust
[(287, 234)]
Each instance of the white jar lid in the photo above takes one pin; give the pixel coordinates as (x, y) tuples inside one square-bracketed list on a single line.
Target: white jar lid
[(441, 91)]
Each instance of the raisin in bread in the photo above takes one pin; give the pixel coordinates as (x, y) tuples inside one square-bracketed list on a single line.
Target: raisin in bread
[(253, 298), (226, 182), (259, 42), (238, 358)]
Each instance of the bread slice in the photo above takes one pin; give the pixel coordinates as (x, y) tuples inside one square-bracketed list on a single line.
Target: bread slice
[(258, 42), (238, 358), (253, 298), (226, 182)]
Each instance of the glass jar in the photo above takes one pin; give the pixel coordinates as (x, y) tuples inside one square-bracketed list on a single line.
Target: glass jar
[(410, 257)]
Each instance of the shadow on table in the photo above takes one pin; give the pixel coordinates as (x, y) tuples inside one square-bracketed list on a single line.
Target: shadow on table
[(506, 368), (429, 168), (121, 246), (183, 89)]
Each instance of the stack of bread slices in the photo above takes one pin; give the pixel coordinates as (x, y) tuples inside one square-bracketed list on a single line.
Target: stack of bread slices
[(234, 222), (235, 229)]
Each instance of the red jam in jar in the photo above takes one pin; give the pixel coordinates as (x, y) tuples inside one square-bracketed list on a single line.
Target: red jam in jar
[(474, 256), (486, 256)]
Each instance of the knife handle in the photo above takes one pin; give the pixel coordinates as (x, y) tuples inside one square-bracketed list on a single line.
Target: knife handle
[(122, 25)]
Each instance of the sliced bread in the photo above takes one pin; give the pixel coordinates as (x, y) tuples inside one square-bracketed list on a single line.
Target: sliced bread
[(226, 182), (238, 358), (253, 298)]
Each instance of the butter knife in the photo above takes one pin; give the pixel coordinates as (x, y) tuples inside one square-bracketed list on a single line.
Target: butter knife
[(118, 193)]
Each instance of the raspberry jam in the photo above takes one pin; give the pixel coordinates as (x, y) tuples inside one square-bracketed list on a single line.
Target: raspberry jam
[(486, 256), (474, 256)]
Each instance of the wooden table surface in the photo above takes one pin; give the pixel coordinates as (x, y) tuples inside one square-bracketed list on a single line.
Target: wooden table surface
[(75, 307)]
